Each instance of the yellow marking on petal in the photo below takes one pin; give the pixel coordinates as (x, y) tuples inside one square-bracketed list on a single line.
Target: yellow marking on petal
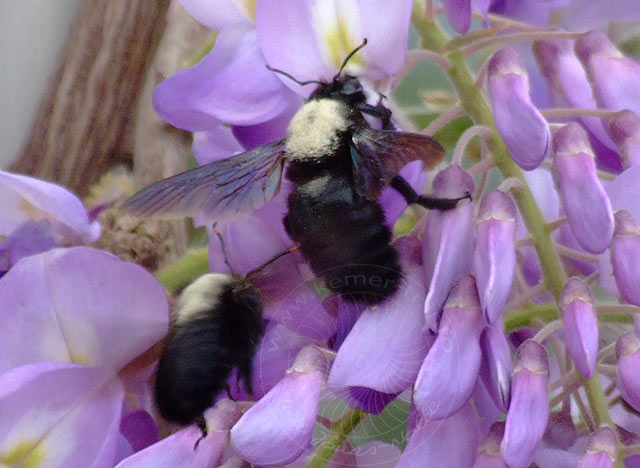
[(30, 209), (341, 43), (250, 7), (25, 454)]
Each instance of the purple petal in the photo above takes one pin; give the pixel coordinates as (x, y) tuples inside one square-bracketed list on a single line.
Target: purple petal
[(178, 450), (231, 84), (274, 355), (561, 433), (371, 401), (29, 238), (625, 131), (625, 257), (77, 305), (565, 73), (219, 14), (495, 257), (520, 124), (580, 325), (140, 430), (29, 199), (387, 344), (529, 409), (278, 428), (324, 33), (602, 449), (496, 365), (450, 370), (377, 454), (614, 77), (628, 352), (489, 452), (459, 14), (59, 415), (584, 199), (448, 241), (450, 443), (214, 144), (251, 136)]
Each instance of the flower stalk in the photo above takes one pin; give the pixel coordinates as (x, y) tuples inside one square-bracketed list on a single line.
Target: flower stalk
[(339, 433)]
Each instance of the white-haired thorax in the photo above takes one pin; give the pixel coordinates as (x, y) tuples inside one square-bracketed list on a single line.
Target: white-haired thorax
[(314, 130), (201, 296)]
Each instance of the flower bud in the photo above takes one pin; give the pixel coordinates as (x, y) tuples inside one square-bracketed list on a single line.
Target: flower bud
[(529, 409), (496, 365), (520, 124), (624, 128), (628, 352), (584, 199), (625, 257), (602, 449), (278, 428), (450, 370), (494, 258), (489, 452), (448, 241), (580, 325), (459, 14), (565, 73), (615, 79)]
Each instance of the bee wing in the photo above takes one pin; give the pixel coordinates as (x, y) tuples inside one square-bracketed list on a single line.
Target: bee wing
[(220, 190), (378, 156)]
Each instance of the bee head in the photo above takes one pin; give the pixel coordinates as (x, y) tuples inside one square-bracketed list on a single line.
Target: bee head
[(344, 87)]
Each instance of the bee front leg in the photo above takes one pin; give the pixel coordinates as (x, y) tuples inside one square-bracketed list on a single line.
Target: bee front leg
[(379, 111), (431, 203)]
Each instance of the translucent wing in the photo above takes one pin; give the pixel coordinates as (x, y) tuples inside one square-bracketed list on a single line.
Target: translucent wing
[(220, 190), (378, 156)]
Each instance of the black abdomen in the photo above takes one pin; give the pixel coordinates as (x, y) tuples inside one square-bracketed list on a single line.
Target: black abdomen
[(201, 353), (344, 238)]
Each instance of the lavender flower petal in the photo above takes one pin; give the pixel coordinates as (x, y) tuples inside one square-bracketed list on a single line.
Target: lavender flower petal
[(628, 352), (459, 14), (448, 241), (75, 305), (451, 442), (625, 257), (392, 203), (494, 258), (602, 449), (489, 451), (580, 325), (529, 410), (323, 33), (565, 73), (520, 124), (29, 238), (387, 344), (614, 77), (177, 450), (584, 199), (277, 429), (231, 84), (496, 365), (28, 199), (218, 14), (624, 127), (139, 429), (450, 370), (561, 433), (59, 415)]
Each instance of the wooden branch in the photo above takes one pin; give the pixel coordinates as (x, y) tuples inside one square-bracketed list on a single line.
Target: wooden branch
[(81, 122)]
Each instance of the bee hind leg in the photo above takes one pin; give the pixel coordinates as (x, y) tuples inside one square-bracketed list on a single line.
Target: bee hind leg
[(431, 203)]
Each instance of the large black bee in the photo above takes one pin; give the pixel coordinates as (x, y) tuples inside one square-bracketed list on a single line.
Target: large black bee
[(217, 325), (339, 165)]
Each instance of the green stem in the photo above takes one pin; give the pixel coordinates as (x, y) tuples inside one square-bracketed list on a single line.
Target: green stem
[(177, 275), (339, 433), (597, 401)]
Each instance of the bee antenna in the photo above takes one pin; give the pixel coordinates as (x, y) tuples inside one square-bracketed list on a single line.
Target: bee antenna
[(351, 54), (301, 83)]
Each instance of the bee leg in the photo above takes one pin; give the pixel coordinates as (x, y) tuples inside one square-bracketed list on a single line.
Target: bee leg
[(202, 425), (379, 111), (431, 203)]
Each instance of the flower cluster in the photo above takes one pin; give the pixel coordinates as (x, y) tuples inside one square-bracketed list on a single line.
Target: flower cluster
[(510, 340)]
